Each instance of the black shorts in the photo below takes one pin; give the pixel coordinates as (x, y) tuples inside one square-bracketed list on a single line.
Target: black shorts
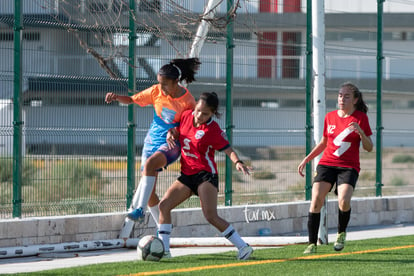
[(336, 175), (193, 181)]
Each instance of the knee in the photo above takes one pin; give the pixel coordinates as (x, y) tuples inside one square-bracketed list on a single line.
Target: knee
[(150, 166), (211, 217), (164, 206), (316, 204), (344, 205)]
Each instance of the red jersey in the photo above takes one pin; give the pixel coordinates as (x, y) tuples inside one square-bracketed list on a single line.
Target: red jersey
[(198, 144), (342, 149)]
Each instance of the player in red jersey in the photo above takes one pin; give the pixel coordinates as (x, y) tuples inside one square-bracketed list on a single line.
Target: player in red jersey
[(344, 130), (200, 136)]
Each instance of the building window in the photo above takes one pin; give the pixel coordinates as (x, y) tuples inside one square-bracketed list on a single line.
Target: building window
[(29, 36), (6, 36), (32, 36), (368, 36)]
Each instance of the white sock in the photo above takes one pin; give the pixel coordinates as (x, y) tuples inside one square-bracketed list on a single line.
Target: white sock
[(164, 233), (135, 199), (147, 183), (231, 234), (155, 212)]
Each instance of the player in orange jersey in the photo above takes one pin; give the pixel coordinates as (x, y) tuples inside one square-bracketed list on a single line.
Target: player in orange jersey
[(169, 100)]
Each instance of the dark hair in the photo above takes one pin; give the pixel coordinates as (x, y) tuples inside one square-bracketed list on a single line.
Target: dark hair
[(212, 101), (181, 69), (360, 105)]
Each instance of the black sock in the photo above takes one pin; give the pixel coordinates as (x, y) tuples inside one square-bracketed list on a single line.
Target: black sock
[(343, 220), (313, 226)]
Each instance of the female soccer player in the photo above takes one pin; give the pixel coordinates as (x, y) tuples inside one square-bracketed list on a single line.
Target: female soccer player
[(169, 100), (200, 136), (344, 130)]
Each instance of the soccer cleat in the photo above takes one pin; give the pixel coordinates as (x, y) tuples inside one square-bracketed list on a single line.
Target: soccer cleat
[(245, 252), (167, 255), (311, 249), (340, 241), (136, 215)]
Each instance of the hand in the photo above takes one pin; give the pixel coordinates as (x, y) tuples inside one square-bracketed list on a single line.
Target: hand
[(172, 136), (243, 168), (301, 167), (110, 97), (355, 127)]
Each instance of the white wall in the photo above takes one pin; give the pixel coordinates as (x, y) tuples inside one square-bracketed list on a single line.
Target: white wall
[(6, 132), (28, 6), (365, 6)]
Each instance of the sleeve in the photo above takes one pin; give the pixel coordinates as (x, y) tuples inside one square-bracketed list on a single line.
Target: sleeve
[(191, 103), (144, 97), (221, 142), (365, 125)]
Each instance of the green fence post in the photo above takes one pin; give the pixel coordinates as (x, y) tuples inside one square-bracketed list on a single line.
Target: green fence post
[(229, 104), (17, 115), (309, 72), (131, 109), (380, 57)]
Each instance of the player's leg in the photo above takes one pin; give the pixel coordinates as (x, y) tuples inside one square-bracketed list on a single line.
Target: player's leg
[(319, 192), (175, 195), (150, 170), (145, 186), (163, 157), (346, 184), (322, 184), (208, 199), (153, 204), (153, 160), (345, 192)]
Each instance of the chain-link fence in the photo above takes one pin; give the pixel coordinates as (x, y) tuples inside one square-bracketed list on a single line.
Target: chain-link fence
[(73, 52)]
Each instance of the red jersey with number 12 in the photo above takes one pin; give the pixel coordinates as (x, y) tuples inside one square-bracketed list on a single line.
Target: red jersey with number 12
[(342, 149), (198, 144)]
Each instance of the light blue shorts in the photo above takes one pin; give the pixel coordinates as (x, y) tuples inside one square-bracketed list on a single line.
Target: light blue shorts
[(171, 154)]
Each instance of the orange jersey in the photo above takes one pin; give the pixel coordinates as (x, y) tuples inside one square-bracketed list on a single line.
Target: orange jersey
[(167, 111)]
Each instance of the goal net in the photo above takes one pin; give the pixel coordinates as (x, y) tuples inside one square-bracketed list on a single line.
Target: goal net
[(164, 29)]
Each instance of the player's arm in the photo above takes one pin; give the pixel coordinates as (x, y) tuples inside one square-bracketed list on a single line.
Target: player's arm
[(110, 97), (172, 135), (318, 149), (366, 140), (240, 166)]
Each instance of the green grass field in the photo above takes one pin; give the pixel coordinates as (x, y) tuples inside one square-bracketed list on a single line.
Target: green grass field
[(387, 256)]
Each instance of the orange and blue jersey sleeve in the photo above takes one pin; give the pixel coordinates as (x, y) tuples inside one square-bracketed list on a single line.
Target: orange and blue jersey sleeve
[(145, 97)]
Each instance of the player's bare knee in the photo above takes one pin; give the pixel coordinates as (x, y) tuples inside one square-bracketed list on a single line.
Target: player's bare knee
[(149, 168), (344, 205), (164, 206), (211, 217)]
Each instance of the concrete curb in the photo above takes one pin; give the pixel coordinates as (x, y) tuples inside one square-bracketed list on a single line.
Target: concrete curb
[(249, 220)]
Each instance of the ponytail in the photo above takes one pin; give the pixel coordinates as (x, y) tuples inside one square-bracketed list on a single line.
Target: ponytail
[(181, 69)]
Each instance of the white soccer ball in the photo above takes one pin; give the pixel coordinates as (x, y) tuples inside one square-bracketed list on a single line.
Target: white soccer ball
[(150, 248)]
